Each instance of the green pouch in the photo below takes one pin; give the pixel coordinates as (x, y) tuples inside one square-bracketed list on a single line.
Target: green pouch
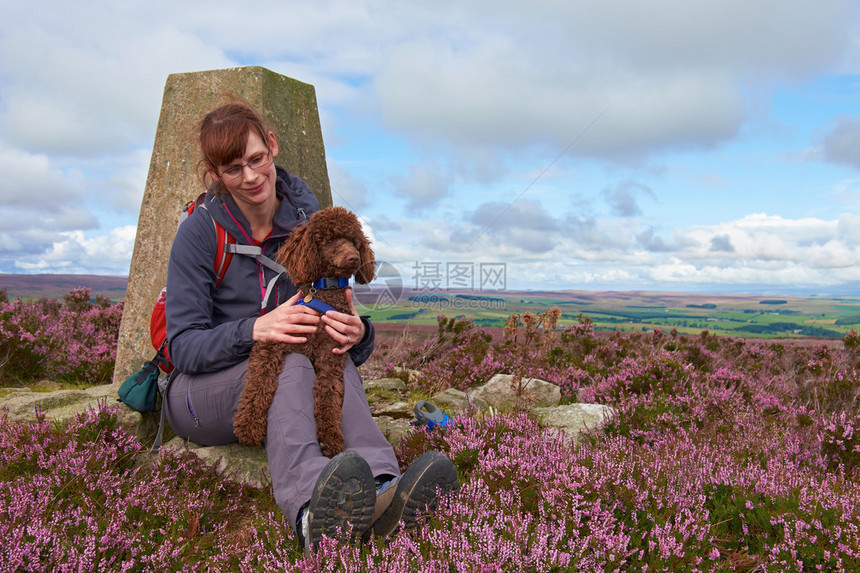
[(140, 390)]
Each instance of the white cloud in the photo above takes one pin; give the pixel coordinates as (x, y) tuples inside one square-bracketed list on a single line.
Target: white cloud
[(666, 74), (88, 78), (622, 198), (621, 253), (425, 184), (773, 238), (75, 253), (346, 190), (38, 202), (30, 180), (126, 180), (84, 78), (498, 217), (650, 241), (476, 89), (842, 143), (848, 229)]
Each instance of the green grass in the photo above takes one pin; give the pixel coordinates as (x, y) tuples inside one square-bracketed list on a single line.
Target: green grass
[(687, 313)]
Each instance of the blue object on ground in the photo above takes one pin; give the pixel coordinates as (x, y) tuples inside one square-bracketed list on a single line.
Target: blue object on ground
[(426, 413)]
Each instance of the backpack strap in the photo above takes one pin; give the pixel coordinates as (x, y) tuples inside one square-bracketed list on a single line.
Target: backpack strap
[(227, 247), (223, 255), (257, 253)]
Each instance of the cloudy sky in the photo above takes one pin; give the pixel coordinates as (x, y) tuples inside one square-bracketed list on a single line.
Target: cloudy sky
[(683, 145)]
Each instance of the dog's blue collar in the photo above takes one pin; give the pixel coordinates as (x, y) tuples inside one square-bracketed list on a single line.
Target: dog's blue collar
[(331, 282), (315, 304), (322, 284)]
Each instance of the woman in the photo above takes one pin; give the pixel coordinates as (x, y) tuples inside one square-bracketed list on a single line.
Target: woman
[(212, 326)]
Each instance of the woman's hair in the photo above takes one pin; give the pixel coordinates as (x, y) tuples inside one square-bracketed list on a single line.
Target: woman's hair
[(224, 134)]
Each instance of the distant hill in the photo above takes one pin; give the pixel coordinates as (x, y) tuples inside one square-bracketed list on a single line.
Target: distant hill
[(634, 311), (55, 286)]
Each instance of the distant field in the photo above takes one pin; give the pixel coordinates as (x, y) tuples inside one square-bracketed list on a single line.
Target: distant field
[(55, 286), (730, 314), (724, 314)]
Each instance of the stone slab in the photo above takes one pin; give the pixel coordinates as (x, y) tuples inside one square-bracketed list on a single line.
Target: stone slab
[(453, 401), (497, 392), (243, 464), (62, 405), (575, 419), (391, 384)]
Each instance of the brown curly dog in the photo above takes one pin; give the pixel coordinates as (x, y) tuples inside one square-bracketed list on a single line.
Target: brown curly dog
[(330, 245)]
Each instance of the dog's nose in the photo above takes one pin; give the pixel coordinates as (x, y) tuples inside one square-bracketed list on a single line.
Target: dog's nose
[(352, 259)]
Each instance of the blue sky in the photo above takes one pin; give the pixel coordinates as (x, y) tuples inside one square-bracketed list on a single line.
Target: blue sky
[(708, 146)]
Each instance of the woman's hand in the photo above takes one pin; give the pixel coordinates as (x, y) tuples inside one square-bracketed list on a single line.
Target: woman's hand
[(346, 329), (288, 323)]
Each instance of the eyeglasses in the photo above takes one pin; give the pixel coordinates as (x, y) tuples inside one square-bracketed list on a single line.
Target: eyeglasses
[(256, 163)]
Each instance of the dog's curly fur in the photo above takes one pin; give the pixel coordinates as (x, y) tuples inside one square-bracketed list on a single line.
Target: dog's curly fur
[(330, 244)]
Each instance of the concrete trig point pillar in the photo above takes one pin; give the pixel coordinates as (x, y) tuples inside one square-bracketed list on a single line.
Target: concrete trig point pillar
[(288, 105)]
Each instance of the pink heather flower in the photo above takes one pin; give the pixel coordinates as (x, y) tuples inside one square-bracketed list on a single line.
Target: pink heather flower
[(708, 429)]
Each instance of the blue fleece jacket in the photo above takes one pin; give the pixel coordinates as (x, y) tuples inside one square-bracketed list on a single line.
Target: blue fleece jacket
[(209, 328)]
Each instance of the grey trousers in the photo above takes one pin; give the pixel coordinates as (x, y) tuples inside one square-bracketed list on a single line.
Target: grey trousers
[(200, 408)]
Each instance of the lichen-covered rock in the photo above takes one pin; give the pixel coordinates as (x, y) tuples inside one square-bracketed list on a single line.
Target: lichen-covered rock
[(406, 374), (395, 384), (453, 401), (575, 419), (245, 465), (398, 410), (394, 429), (499, 394), (61, 405)]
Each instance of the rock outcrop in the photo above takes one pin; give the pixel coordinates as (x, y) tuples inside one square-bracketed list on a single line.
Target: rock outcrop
[(500, 393), (22, 404), (575, 419)]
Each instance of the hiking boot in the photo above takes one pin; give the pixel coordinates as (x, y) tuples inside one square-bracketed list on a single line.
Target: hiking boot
[(345, 493), (417, 490)]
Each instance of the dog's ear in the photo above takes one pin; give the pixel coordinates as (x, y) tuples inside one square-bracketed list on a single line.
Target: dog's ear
[(298, 255), (367, 267)]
